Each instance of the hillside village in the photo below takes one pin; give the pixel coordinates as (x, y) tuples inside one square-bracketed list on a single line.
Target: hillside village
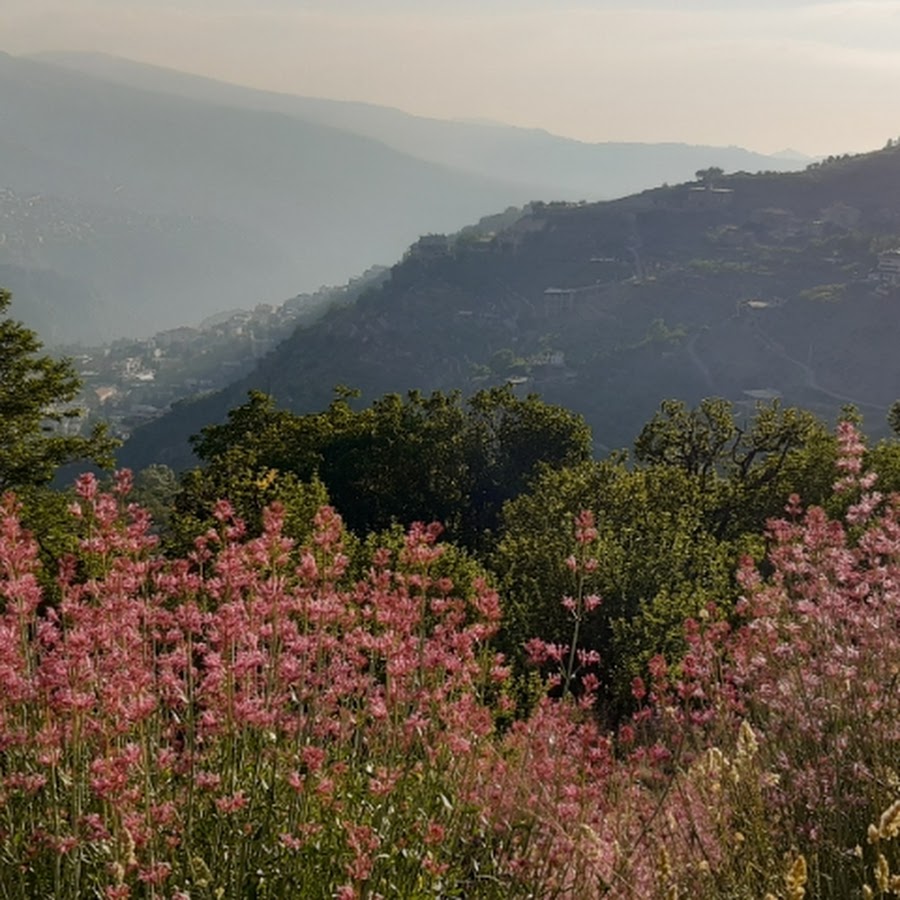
[(130, 382)]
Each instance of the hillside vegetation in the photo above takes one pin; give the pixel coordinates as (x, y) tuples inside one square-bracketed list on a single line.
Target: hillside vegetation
[(743, 286)]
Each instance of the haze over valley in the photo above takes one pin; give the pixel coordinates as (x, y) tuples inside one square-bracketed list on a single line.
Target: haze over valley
[(137, 199), (196, 222)]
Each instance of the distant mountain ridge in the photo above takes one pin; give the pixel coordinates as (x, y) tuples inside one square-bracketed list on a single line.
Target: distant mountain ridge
[(556, 168), (269, 204), (223, 197)]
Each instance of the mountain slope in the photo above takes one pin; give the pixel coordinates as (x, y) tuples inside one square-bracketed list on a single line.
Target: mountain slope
[(245, 204), (554, 167), (762, 286)]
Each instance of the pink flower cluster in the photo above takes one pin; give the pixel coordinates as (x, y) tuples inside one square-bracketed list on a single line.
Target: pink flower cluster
[(185, 725), (810, 662), (261, 718)]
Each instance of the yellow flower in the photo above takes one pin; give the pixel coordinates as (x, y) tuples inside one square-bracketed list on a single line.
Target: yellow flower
[(746, 743), (796, 879), (889, 823), (882, 874)]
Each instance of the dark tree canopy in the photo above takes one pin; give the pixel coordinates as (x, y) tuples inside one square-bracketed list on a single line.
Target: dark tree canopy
[(404, 458), (36, 393), (750, 464), (709, 175)]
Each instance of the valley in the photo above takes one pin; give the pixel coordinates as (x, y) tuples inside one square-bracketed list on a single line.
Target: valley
[(136, 199)]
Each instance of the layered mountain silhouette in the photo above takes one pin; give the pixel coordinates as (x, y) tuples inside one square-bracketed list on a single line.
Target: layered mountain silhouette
[(159, 198), (552, 167)]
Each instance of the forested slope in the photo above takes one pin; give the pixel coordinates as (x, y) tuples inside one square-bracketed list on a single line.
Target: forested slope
[(745, 286)]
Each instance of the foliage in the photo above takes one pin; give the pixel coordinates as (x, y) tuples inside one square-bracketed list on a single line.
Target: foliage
[(670, 533), (260, 718), (805, 680), (657, 562), (155, 489), (252, 488), (708, 440), (36, 393), (710, 174), (403, 459), (741, 464), (894, 417)]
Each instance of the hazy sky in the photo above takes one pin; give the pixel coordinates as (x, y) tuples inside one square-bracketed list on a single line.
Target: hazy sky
[(766, 74)]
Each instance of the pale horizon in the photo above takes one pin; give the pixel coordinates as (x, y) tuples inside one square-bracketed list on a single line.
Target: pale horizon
[(807, 76)]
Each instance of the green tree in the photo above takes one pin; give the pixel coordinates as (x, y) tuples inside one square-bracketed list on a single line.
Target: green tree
[(698, 440), (747, 468), (155, 489), (250, 488), (36, 396), (656, 563), (893, 417), (710, 175), (265, 435), (511, 441), (670, 531), (403, 459)]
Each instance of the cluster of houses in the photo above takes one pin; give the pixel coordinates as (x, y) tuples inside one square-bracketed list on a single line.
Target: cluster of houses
[(131, 382), (888, 271)]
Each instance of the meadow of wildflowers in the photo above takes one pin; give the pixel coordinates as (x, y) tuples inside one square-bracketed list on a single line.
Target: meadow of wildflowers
[(259, 719)]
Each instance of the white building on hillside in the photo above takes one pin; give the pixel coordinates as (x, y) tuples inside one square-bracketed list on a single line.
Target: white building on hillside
[(889, 267)]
